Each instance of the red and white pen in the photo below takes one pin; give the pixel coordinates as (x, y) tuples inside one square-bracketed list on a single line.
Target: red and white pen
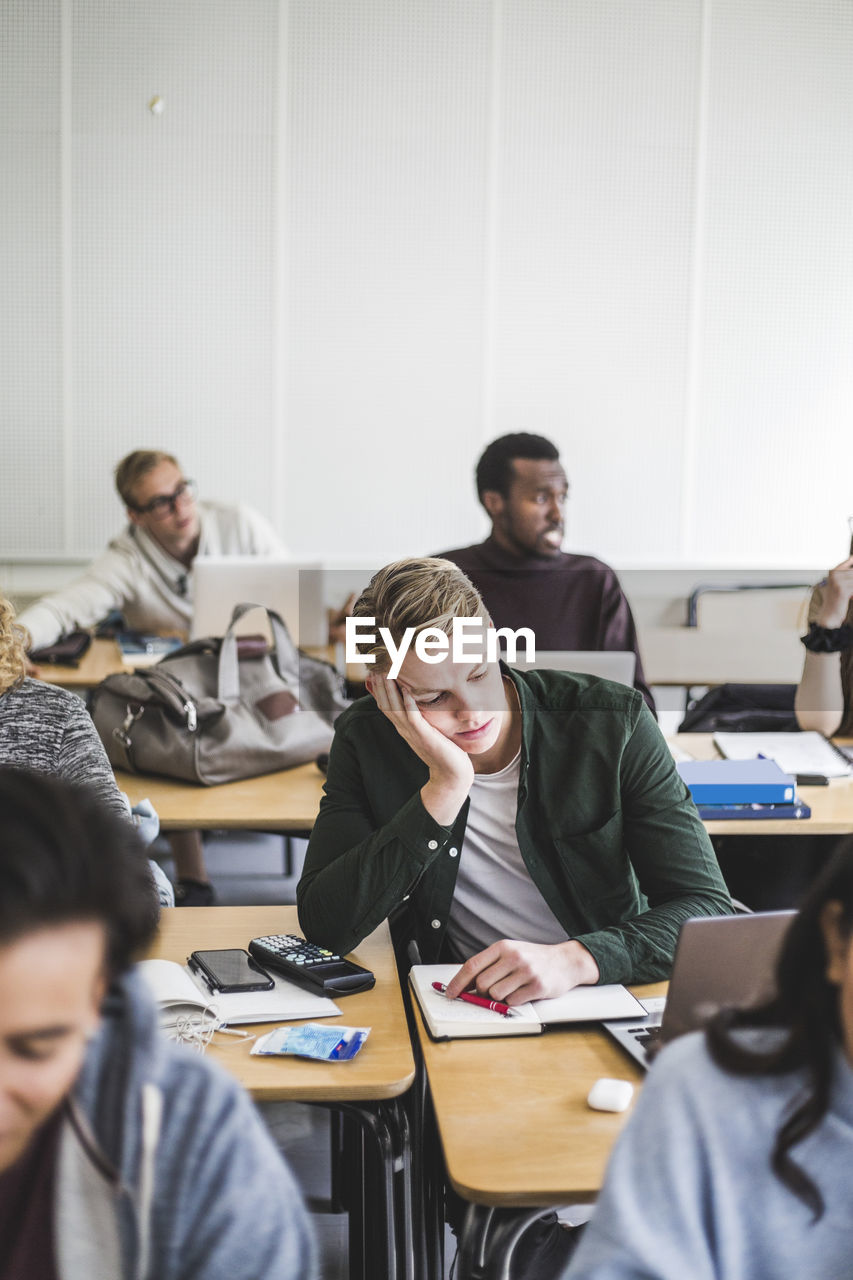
[(481, 1001)]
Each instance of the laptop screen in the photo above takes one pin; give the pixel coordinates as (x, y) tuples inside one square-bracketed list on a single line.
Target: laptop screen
[(607, 664), (722, 960), (295, 591)]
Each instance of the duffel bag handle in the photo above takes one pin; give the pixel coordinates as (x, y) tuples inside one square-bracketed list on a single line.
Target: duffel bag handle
[(228, 678)]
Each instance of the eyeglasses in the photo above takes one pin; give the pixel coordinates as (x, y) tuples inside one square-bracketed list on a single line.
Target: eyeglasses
[(166, 504)]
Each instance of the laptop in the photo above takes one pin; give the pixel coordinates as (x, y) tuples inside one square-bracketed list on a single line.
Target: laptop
[(295, 591), (608, 664), (719, 960)]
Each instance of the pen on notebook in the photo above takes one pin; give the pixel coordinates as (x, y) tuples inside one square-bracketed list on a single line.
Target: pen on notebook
[(481, 1001)]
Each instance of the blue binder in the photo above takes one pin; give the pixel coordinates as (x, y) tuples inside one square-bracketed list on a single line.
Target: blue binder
[(739, 812), (737, 782)]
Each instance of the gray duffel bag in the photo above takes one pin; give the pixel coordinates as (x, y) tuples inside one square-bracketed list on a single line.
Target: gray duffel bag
[(210, 713)]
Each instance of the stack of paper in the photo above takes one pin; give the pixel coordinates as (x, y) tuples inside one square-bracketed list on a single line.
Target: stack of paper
[(797, 753)]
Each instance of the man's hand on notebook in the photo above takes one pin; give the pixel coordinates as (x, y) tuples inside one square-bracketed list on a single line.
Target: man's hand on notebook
[(515, 972)]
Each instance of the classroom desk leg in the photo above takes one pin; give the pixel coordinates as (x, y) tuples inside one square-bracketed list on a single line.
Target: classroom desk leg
[(378, 1190), (428, 1180), (338, 1197)]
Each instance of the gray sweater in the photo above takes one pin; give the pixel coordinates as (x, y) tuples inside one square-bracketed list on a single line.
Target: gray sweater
[(49, 730), (689, 1192)]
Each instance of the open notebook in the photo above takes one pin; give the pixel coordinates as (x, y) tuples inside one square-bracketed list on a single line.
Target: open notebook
[(179, 994), (456, 1019), (798, 753)]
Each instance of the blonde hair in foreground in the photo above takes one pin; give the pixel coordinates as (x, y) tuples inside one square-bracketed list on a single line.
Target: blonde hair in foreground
[(12, 646), (419, 593)]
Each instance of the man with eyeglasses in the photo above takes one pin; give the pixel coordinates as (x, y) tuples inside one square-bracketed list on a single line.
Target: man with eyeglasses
[(144, 572), (144, 575)]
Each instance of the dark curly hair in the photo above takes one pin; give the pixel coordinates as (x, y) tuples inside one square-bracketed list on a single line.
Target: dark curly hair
[(494, 469)]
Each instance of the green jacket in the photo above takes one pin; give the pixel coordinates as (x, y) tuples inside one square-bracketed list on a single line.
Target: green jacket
[(605, 825)]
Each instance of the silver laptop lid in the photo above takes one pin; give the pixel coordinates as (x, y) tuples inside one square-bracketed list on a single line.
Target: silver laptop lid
[(608, 664), (722, 960), (293, 590)]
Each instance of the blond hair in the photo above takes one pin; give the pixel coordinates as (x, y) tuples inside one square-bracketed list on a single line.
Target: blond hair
[(421, 593), (12, 648), (131, 469)]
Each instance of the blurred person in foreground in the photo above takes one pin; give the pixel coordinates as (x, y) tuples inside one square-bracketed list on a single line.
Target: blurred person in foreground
[(123, 1156), (738, 1159)]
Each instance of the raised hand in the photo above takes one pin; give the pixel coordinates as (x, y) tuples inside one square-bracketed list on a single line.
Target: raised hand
[(837, 595)]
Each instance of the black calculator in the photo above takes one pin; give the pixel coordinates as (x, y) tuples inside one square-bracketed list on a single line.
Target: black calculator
[(310, 966)]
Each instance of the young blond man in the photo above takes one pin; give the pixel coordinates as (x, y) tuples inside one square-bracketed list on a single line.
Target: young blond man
[(122, 1155), (531, 825)]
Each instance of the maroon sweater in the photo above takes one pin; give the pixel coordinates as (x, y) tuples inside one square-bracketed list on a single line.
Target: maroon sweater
[(570, 602)]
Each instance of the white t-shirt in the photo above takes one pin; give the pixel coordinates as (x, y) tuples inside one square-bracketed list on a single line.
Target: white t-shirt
[(494, 896)]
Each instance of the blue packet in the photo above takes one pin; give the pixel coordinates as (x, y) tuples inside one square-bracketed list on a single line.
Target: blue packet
[(326, 1044)]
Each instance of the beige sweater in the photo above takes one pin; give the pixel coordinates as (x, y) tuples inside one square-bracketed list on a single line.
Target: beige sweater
[(136, 576)]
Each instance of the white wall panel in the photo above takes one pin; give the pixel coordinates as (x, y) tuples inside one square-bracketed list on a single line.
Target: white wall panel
[(366, 236), (173, 243), (31, 512), (386, 212), (596, 167), (774, 455)]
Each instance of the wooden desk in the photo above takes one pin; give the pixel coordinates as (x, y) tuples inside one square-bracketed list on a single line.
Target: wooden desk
[(365, 1091), (288, 801), (383, 1069), (512, 1117), (101, 659), (284, 801), (832, 806), (699, 656)]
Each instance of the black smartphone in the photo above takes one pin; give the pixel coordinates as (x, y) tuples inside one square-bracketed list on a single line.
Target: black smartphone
[(230, 970)]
